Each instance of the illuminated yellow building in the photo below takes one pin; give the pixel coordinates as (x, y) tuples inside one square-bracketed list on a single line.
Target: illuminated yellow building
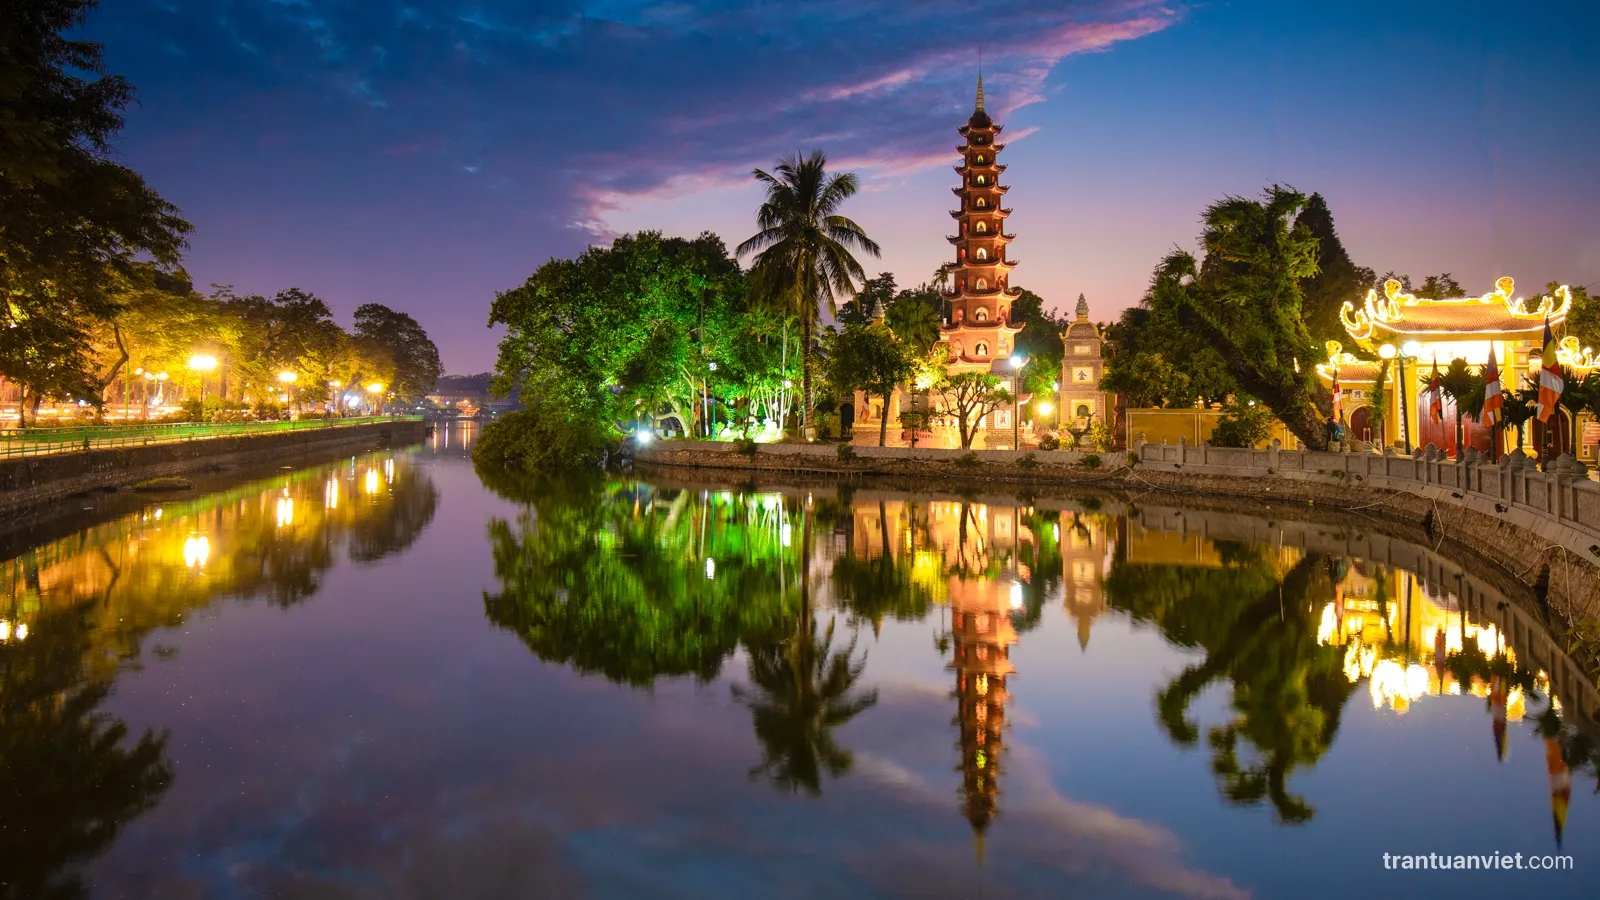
[(1412, 332), (1087, 545)]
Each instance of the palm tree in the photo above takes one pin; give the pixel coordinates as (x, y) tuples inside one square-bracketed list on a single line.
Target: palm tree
[(803, 250), (914, 321), (1459, 382)]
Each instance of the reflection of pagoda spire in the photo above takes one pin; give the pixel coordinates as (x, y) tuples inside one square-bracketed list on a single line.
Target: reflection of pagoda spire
[(982, 633)]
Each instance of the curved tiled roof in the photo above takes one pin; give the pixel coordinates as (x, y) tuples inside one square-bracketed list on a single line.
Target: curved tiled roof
[(1494, 313)]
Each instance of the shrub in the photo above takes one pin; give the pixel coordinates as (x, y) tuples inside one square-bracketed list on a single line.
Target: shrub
[(1100, 436), (1049, 442), (1133, 459), (1028, 461), (744, 446), (1242, 425), (967, 460), (541, 438), (1092, 461), (847, 452)]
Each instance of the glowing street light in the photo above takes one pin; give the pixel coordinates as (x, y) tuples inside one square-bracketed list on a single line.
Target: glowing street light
[(201, 363), (1017, 362), (288, 377)]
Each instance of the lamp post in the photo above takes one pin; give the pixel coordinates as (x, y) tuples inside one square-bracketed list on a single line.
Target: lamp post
[(286, 379), (333, 395), (376, 389), (201, 363), (1017, 362)]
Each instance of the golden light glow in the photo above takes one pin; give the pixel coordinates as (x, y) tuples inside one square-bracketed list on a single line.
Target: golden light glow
[(1383, 313), (330, 494), (1045, 407), (375, 387), (1387, 351), (288, 377), (202, 362), (196, 549), (371, 482), (334, 384), (285, 509)]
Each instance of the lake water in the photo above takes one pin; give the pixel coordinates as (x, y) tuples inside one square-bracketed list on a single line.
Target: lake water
[(380, 678)]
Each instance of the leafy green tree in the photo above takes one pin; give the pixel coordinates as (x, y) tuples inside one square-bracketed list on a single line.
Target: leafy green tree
[(970, 396), (1338, 279), (1039, 341), (803, 248), (1244, 423), (869, 358), (870, 302), (913, 316), (72, 221), (1245, 299), (632, 326), (1157, 362), (1465, 387), (414, 356)]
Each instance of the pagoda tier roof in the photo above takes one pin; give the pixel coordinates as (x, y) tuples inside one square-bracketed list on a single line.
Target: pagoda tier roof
[(1493, 316), (964, 167), (1011, 292), (986, 211), (1082, 330), (997, 236), (1007, 264), (980, 122), (996, 188), (1351, 371), (992, 148)]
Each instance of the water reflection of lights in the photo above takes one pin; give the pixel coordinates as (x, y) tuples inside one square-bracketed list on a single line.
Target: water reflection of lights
[(330, 494), (711, 567), (1016, 595), (388, 470), (371, 483), (786, 533), (285, 509), (195, 550), (7, 631)]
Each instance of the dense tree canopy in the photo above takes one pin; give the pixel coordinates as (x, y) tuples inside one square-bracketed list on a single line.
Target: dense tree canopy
[(1244, 297), (413, 355)]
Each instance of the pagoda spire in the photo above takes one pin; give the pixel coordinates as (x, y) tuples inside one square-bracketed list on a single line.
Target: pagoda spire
[(978, 107)]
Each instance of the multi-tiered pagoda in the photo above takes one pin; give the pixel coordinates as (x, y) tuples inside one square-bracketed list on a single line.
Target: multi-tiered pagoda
[(979, 331)]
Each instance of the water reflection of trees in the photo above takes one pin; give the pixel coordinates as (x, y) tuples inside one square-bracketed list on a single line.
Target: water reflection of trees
[(1288, 690), (78, 610), (637, 584), (70, 776)]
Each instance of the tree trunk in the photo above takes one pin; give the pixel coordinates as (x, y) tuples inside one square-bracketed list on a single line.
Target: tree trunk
[(805, 378), (883, 421), (1461, 451)]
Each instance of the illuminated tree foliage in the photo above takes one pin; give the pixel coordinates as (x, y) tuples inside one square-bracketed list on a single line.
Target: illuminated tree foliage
[(72, 221)]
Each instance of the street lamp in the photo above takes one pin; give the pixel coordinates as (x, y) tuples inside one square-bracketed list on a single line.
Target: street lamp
[(333, 395), (376, 389), (201, 363), (1017, 362)]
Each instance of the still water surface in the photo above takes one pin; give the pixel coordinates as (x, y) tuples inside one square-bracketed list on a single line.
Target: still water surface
[(381, 678)]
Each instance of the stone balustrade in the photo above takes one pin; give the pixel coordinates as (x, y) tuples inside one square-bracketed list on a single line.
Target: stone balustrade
[(1560, 504)]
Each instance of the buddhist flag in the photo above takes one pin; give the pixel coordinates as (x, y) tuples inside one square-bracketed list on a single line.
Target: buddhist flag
[(1555, 762), (1338, 397), (1435, 394), (1551, 384), (1492, 401)]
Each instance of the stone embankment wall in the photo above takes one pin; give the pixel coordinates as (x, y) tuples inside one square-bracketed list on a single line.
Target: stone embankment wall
[(33, 482), (1541, 527)]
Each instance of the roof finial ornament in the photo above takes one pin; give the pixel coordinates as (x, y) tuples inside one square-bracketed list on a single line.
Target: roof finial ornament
[(979, 106), (1083, 309)]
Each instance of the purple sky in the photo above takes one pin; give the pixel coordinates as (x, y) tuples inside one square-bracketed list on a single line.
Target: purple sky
[(425, 154)]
